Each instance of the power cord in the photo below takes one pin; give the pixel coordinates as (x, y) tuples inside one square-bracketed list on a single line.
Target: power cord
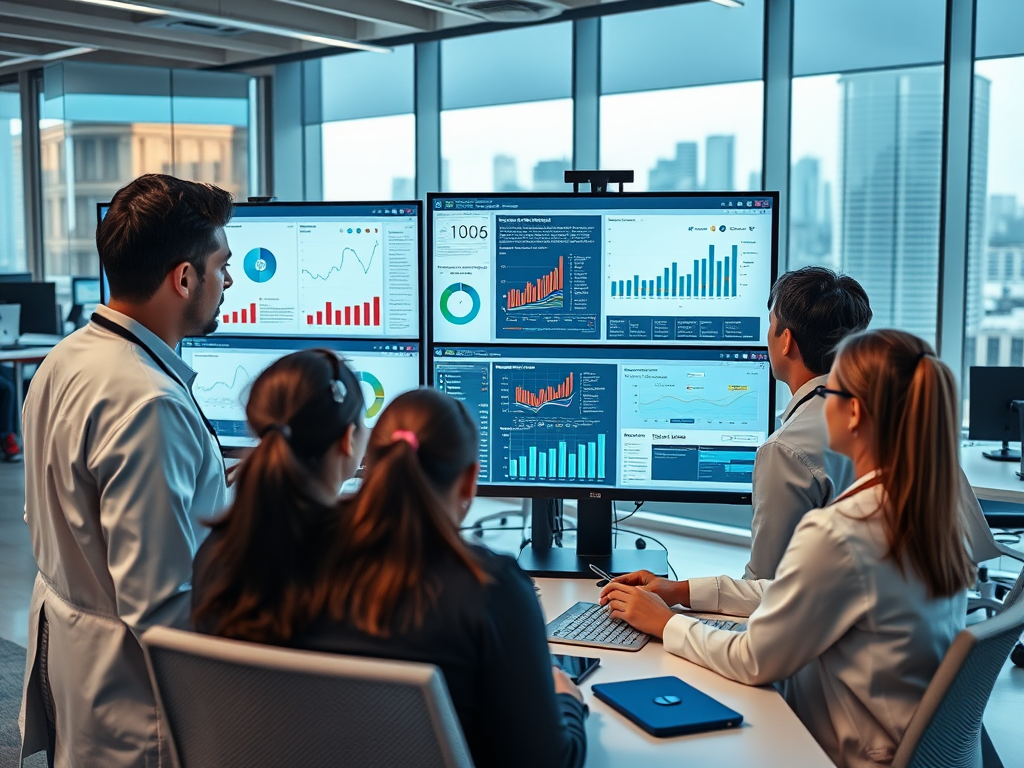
[(617, 520), (656, 541)]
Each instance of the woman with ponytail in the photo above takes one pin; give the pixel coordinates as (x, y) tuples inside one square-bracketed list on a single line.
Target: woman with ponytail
[(872, 589), (385, 573)]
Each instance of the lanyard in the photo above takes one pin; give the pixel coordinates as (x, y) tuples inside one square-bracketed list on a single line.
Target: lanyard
[(130, 337), (876, 480), (800, 402)]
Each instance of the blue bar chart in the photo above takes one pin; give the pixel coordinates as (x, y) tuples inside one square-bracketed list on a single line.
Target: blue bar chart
[(712, 277), (565, 461)]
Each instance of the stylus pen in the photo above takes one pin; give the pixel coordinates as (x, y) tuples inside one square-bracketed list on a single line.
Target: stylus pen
[(600, 573)]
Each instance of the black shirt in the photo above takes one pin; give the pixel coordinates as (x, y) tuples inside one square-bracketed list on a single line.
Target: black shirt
[(489, 642)]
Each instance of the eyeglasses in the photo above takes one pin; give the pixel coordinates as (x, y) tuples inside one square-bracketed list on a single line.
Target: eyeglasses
[(822, 391)]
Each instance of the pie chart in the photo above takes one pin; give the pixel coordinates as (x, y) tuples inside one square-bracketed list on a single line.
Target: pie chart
[(259, 265), (460, 303), (375, 403)]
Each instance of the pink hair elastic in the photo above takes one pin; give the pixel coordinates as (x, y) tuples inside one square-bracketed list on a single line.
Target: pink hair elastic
[(409, 437)]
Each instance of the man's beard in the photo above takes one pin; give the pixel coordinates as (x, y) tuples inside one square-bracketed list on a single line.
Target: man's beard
[(197, 324)]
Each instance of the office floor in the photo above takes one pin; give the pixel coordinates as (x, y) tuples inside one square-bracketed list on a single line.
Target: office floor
[(689, 556)]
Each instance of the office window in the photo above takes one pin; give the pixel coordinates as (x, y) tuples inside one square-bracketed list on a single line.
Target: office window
[(992, 351), (865, 181), (995, 266), (506, 120), (687, 114), (368, 131), (103, 125), (12, 198)]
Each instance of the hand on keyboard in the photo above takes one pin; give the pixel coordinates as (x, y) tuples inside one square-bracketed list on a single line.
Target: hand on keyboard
[(643, 610)]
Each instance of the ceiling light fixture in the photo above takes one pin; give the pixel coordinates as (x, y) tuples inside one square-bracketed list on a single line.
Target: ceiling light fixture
[(249, 26), (729, 3), (54, 56)]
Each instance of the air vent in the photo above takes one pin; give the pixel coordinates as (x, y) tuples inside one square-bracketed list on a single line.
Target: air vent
[(511, 11), (195, 27)]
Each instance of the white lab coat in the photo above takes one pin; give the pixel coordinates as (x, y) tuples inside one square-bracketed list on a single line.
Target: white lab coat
[(119, 472), (853, 642)]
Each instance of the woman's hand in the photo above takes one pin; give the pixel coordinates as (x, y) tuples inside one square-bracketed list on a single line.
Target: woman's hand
[(564, 684), (672, 592), (638, 607)]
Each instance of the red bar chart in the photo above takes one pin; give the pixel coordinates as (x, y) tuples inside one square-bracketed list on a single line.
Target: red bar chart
[(243, 317), (537, 400), (542, 292), (366, 314)]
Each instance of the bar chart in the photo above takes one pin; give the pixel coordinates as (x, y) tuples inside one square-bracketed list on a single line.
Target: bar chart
[(543, 293), (246, 316), (558, 395), (565, 460), (365, 314), (711, 277)]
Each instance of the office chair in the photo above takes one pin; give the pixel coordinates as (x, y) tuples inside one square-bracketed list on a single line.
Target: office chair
[(234, 704), (947, 730), (984, 547)]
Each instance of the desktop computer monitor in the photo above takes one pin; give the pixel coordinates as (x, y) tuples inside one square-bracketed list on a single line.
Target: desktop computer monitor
[(610, 347), (330, 270), (992, 418), (85, 295), (226, 367), (38, 306)]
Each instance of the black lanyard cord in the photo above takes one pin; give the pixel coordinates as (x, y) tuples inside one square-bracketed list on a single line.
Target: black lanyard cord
[(130, 337)]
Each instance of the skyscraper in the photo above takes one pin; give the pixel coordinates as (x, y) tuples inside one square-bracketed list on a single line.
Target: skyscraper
[(977, 240), (506, 175), (810, 220), (678, 173), (549, 175), (719, 162), (890, 177)]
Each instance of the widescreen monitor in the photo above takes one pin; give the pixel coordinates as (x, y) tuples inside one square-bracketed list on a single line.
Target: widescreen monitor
[(324, 269), (38, 302), (629, 423), (226, 367), (643, 269)]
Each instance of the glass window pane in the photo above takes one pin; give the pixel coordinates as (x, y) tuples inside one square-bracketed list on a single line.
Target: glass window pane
[(865, 186), (847, 35), (687, 45), (513, 147), (484, 70), (716, 145), (370, 159), (995, 269), (12, 198), (356, 85), (998, 26)]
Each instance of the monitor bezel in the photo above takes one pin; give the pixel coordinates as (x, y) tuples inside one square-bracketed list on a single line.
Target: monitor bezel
[(492, 490)]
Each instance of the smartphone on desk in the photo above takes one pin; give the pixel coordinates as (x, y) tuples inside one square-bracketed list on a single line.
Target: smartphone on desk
[(578, 668)]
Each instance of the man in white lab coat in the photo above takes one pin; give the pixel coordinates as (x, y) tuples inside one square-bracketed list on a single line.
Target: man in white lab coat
[(121, 466)]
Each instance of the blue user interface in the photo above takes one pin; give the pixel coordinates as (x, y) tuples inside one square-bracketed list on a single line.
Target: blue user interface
[(640, 418)]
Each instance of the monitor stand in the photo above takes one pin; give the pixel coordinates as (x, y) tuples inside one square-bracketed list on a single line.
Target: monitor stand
[(1003, 454), (593, 546)]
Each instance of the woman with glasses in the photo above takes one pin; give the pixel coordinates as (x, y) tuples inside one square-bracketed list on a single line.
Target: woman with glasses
[(384, 573), (872, 588)]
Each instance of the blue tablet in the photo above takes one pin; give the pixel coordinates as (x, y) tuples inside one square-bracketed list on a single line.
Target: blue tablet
[(666, 706)]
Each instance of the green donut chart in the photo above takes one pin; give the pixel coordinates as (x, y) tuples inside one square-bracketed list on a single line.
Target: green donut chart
[(460, 303), (378, 393)]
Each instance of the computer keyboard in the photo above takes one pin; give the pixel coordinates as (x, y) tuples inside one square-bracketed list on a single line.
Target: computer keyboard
[(591, 625), (735, 626)]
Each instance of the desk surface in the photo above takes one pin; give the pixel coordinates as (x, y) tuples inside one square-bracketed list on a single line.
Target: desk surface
[(771, 734), (993, 480), (24, 355)]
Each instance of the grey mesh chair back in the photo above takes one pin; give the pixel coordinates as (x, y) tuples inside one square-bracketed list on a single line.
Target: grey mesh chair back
[(232, 704), (946, 729)]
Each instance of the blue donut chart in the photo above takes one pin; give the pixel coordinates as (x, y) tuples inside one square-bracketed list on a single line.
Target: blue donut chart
[(259, 265), (453, 291)]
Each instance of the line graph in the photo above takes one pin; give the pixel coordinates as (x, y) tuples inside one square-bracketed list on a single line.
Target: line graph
[(365, 267), (223, 380), (740, 404), (341, 280), (560, 396)]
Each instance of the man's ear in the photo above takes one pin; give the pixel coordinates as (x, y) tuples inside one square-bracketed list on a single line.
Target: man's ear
[(182, 277)]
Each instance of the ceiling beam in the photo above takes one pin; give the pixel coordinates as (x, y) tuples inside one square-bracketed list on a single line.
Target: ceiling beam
[(411, 17), (52, 33), (101, 21), (15, 47)]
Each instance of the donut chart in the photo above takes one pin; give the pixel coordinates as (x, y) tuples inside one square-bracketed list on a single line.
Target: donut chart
[(460, 303), (378, 393), (259, 265)]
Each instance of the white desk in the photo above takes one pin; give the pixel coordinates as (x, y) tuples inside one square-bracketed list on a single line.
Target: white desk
[(20, 358), (771, 735), (993, 480)]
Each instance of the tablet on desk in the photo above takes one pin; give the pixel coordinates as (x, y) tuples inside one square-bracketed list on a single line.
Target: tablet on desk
[(666, 706)]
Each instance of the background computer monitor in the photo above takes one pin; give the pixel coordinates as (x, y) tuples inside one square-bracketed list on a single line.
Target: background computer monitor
[(606, 331), (226, 367), (992, 389), (16, 277), (325, 269), (38, 306), (85, 295)]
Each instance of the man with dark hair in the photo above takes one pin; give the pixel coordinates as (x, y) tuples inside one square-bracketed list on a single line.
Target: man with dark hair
[(810, 311), (121, 466)]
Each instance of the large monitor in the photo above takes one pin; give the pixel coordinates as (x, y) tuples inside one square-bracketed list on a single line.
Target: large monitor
[(610, 347), (39, 313), (324, 269), (605, 269), (226, 367), (993, 389)]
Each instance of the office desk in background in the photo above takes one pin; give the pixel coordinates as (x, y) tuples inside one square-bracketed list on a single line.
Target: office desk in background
[(19, 358), (771, 735)]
